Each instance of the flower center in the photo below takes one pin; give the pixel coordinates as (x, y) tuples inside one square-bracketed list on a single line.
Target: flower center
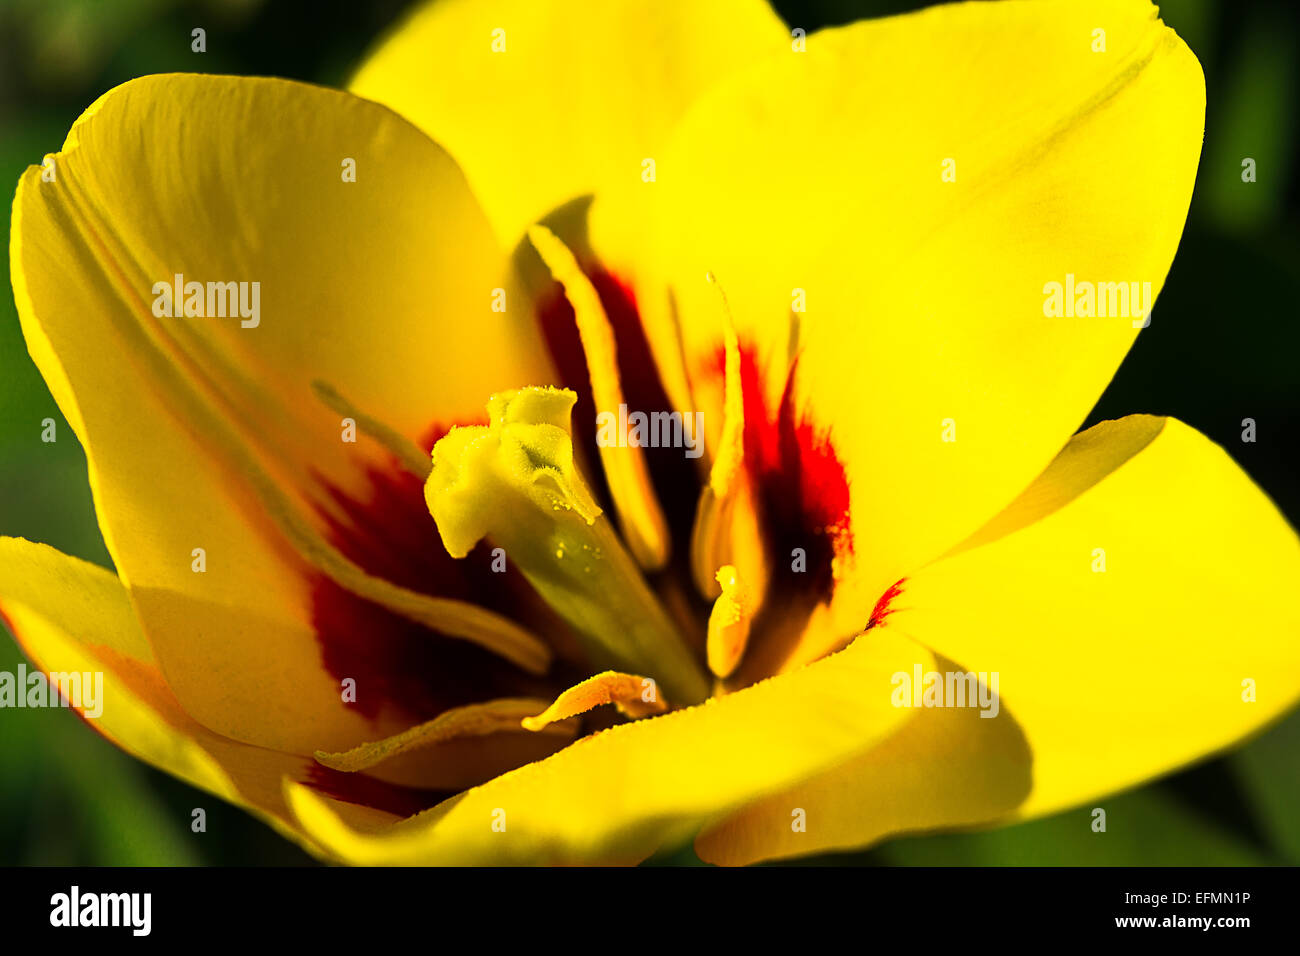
[(703, 576), (514, 482)]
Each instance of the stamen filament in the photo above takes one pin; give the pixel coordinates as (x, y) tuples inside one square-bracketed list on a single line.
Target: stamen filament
[(472, 720), (727, 529), (413, 459)]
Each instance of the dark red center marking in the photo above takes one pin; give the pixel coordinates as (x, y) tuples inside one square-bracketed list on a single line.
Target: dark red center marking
[(884, 607), (802, 498), (802, 489), (366, 791), (390, 534)]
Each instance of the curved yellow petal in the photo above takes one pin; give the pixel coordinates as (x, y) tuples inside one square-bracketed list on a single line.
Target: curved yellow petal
[(1141, 614), (887, 208), (617, 796), (542, 102), (70, 616), (380, 284), (946, 767), (1115, 674)]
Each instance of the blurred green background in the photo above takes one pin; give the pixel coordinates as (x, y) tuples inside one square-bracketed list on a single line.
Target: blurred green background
[(1224, 347)]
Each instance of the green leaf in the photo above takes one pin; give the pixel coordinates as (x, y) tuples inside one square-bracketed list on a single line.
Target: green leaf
[(1269, 771), (1143, 828)]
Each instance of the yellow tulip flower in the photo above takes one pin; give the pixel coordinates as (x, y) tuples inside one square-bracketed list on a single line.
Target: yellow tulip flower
[(601, 428)]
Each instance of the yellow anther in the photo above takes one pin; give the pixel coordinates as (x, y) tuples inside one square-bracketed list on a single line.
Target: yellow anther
[(729, 623), (634, 696)]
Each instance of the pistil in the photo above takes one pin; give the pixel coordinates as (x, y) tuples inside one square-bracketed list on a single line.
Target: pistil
[(514, 482)]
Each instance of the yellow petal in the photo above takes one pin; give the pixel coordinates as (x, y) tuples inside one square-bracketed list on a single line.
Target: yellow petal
[(70, 616), (617, 796), (946, 767), (1138, 603), (633, 695), (542, 102), (812, 185), (383, 288), (1115, 675)]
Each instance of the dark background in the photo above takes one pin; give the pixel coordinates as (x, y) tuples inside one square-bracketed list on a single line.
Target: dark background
[(1222, 347)]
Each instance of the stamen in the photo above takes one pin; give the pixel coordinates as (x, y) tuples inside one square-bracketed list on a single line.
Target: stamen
[(639, 515), (729, 623), (727, 530), (407, 452), (448, 616), (515, 481), (729, 460), (634, 697), (473, 720)]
